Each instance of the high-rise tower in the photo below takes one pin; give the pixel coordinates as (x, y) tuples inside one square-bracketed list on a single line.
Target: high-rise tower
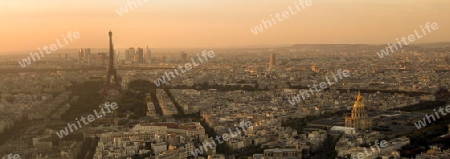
[(111, 71), (148, 57), (87, 55), (112, 89), (81, 55), (140, 55), (272, 61)]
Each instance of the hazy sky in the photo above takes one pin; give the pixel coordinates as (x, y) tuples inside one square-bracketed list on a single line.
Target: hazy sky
[(29, 24)]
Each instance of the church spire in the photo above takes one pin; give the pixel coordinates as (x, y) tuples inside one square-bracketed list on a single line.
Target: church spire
[(358, 103), (358, 98)]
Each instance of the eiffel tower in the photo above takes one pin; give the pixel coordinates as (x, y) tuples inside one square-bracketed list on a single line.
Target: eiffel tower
[(112, 89)]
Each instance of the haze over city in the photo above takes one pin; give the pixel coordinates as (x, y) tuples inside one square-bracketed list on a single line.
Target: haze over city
[(216, 79), (201, 23)]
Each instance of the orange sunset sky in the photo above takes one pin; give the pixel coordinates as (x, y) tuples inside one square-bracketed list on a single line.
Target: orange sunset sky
[(29, 24)]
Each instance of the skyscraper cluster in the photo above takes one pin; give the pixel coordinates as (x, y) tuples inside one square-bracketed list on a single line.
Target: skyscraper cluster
[(130, 54), (137, 56), (85, 57), (84, 54)]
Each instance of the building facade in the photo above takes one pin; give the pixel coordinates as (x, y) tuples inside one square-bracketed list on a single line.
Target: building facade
[(359, 118)]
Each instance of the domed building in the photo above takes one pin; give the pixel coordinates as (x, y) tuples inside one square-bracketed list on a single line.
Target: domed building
[(359, 118)]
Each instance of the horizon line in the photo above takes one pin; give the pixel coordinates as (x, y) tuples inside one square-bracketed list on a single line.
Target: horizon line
[(254, 46)]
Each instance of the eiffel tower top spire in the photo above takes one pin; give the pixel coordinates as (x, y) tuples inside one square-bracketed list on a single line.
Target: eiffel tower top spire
[(111, 52)]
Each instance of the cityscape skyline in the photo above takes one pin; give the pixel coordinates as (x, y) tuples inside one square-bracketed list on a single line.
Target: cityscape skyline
[(300, 79)]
